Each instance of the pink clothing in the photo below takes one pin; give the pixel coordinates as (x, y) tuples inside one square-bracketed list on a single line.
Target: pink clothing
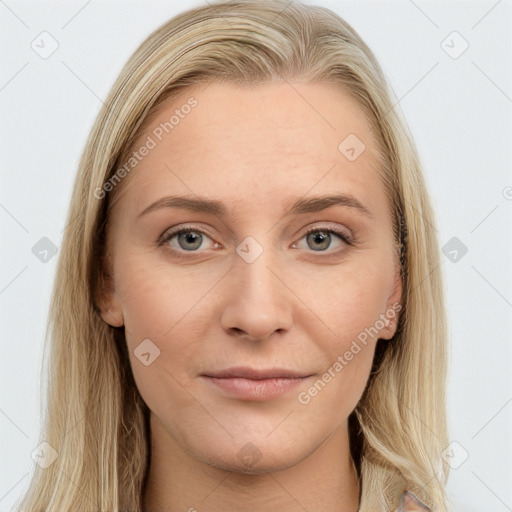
[(408, 502)]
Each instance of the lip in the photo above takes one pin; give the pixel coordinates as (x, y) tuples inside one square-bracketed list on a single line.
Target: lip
[(255, 385), (246, 372)]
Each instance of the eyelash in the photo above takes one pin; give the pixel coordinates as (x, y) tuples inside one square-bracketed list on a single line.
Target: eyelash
[(183, 254)]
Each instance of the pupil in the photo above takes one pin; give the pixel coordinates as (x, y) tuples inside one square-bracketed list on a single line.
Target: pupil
[(192, 238), (322, 238)]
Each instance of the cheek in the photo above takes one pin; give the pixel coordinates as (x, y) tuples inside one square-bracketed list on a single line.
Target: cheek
[(169, 309), (351, 310), (350, 301), (348, 298), (156, 299), (153, 316)]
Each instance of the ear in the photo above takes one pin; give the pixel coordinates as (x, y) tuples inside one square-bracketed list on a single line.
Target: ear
[(393, 307), (108, 302)]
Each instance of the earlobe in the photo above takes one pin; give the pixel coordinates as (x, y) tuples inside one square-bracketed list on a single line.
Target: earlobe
[(112, 317), (108, 304), (389, 330), (393, 308)]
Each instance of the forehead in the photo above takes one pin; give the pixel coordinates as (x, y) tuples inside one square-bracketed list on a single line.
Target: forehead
[(264, 141)]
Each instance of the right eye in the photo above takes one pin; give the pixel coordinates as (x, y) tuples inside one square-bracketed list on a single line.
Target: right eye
[(185, 239)]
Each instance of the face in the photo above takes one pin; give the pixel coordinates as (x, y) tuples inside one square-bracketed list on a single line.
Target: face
[(254, 282)]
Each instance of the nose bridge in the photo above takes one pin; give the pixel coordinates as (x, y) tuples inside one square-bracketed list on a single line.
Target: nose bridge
[(258, 277), (259, 302)]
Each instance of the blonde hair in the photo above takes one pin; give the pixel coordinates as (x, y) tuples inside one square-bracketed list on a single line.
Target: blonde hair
[(95, 417)]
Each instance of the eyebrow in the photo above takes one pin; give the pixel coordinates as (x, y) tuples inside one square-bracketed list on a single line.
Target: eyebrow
[(298, 206)]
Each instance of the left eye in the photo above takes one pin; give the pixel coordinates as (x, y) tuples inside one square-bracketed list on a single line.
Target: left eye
[(319, 239)]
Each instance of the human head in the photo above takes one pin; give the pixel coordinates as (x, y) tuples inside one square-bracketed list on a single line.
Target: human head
[(246, 44)]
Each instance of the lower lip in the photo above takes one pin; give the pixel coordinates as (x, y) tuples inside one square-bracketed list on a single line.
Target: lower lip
[(256, 390)]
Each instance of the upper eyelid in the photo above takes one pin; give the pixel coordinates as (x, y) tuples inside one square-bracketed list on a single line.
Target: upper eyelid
[(313, 226), (171, 232)]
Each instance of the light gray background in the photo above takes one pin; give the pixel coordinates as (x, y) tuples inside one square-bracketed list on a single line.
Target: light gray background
[(459, 111)]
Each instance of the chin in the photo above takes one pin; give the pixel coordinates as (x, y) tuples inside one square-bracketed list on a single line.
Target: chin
[(254, 457), (260, 467)]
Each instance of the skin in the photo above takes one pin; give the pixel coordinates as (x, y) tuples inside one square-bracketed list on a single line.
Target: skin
[(299, 305)]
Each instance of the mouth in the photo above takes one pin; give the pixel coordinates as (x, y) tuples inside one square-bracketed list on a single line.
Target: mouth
[(255, 384)]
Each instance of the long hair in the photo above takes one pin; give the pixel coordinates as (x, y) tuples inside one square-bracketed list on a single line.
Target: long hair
[(94, 417)]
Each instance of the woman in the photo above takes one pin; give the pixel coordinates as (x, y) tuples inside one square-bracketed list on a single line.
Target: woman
[(248, 309)]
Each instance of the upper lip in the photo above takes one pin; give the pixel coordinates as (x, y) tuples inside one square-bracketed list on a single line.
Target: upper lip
[(256, 374)]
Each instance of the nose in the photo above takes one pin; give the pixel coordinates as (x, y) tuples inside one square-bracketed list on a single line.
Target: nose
[(259, 301)]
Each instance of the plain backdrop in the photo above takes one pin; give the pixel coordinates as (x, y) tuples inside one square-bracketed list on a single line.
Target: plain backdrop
[(450, 64)]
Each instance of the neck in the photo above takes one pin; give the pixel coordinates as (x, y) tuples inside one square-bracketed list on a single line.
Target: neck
[(326, 480)]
